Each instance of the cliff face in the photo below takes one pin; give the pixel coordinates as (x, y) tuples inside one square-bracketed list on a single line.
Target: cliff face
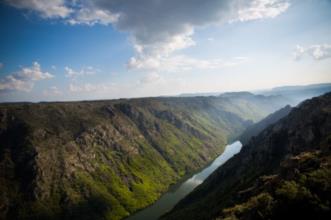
[(283, 173), (107, 159)]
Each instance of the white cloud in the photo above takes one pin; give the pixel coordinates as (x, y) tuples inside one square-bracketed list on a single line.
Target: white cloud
[(169, 25), (180, 63), (71, 11), (34, 73), (86, 71), (12, 83), (92, 16), (46, 8), (24, 79), (317, 52), (151, 54), (52, 91), (260, 9)]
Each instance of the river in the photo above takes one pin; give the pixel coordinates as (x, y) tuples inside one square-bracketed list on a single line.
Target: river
[(179, 191)]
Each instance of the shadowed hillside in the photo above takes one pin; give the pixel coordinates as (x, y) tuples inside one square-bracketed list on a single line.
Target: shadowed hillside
[(283, 173), (256, 128)]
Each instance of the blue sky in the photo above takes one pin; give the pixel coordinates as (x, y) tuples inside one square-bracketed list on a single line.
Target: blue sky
[(77, 50)]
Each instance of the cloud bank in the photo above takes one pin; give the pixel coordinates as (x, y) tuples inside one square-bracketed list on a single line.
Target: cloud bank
[(158, 28), (317, 51), (24, 79), (182, 63), (45, 8)]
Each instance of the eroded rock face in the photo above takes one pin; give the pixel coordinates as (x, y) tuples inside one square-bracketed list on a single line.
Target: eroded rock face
[(107, 159), (283, 169)]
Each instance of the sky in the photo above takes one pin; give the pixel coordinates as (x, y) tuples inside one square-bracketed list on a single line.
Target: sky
[(63, 50)]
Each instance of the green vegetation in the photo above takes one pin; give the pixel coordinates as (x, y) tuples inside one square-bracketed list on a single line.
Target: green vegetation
[(306, 195), (108, 159), (261, 204)]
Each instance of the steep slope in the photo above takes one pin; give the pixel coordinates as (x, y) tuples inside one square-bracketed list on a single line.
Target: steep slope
[(256, 128), (283, 173), (107, 159)]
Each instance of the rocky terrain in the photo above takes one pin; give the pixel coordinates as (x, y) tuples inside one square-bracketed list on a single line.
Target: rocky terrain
[(282, 173), (108, 159)]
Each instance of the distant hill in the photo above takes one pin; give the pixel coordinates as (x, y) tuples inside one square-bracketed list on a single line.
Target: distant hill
[(299, 93), (108, 159), (199, 94), (282, 173), (294, 94)]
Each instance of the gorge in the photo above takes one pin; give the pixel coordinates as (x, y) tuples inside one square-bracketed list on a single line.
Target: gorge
[(108, 159), (183, 188)]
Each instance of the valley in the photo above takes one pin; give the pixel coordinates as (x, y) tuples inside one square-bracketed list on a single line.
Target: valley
[(108, 159), (183, 188), (165, 110)]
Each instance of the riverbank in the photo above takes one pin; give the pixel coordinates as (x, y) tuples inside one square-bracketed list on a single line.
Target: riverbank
[(183, 188)]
